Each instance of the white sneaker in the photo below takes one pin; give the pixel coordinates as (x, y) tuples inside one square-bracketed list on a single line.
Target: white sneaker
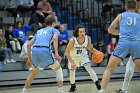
[(24, 90), (4, 62), (125, 92), (30, 69), (60, 91), (8, 61), (12, 60), (101, 91), (41, 68)]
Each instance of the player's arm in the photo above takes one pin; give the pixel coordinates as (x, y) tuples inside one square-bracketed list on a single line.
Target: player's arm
[(114, 25), (55, 44), (90, 46), (29, 45), (68, 49)]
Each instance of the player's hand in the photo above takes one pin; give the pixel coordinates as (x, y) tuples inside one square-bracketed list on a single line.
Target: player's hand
[(57, 57), (28, 63), (73, 66)]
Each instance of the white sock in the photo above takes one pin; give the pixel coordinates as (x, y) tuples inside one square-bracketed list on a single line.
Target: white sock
[(24, 90), (101, 91), (72, 76)]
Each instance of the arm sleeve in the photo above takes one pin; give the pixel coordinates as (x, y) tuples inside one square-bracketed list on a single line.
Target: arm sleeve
[(55, 31)]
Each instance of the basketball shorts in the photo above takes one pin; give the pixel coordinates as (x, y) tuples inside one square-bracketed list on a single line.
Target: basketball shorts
[(125, 47)]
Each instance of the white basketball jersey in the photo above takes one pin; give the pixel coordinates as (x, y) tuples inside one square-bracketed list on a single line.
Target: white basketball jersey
[(79, 51)]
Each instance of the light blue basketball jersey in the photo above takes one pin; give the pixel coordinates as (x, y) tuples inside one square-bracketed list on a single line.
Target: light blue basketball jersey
[(129, 42), (42, 56), (44, 36), (130, 25)]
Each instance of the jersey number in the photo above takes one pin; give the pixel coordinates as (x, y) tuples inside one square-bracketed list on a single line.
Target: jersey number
[(79, 51), (42, 33), (131, 21)]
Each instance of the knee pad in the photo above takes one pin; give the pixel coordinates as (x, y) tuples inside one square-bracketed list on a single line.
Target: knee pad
[(59, 74)]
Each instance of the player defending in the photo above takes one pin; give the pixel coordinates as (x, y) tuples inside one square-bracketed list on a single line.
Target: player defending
[(129, 66), (76, 52), (129, 38), (42, 56)]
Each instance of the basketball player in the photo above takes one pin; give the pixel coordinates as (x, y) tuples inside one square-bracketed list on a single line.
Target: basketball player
[(129, 38), (42, 56), (129, 66), (128, 75), (76, 52)]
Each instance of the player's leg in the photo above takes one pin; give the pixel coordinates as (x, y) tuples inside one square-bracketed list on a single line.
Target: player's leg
[(136, 54), (113, 62), (128, 75), (120, 52), (93, 75), (137, 64), (30, 78), (59, 76), (72, 78), (35, 69)]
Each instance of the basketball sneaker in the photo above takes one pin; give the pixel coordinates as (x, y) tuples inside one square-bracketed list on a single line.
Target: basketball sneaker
[(98, 86), (120, 91), (12, 60), (101, 91), (24, 90), (60, 90), (73, 88)]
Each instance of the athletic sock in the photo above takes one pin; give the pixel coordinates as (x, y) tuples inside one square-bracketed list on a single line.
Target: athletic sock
[(24, 90)]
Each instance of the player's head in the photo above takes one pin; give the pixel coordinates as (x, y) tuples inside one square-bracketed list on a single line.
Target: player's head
[(80, 31), (130, 5), (50, 21)]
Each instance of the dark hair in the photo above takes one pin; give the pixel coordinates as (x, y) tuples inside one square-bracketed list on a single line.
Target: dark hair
[(131, 4), (18, 23), (49, 20), (75, 34), (9, 25)]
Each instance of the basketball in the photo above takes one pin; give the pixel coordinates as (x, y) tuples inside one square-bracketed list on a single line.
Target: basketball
[(97, 57)]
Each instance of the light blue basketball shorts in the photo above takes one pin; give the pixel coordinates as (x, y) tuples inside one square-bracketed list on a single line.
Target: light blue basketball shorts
[(125, 47), (42, 57)]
